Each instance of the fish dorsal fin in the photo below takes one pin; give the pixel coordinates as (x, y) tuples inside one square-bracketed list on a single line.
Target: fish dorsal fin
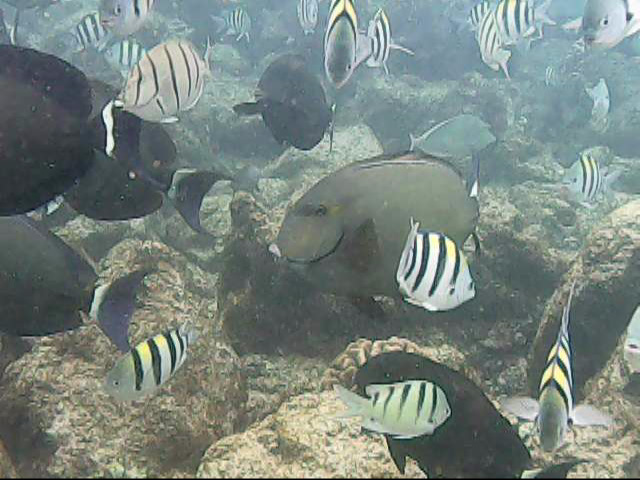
[(362, 248)]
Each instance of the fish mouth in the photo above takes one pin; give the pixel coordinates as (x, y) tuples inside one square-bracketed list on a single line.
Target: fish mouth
[(107, 22), (275, 250)]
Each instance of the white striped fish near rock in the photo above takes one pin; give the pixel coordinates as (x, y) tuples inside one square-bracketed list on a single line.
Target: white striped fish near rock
[(403, 410), (490, 43), (586, 182), (168, 80), (234, 22), (150, 364), (554, 411), (433, 273), (125, 54), (379, 34)]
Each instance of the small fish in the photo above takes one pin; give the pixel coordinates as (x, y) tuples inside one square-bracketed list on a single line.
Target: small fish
[(402, 410), (490, 43), (585, 180), (344, 47), (168, 80), (554, 412), (308, 15), (606, 23), (124, 17), (601, 102), (382, 43), (632, 343), (89, 33), (477, 13), (433, 273), (150, 364), (125, 54), (236, 21)]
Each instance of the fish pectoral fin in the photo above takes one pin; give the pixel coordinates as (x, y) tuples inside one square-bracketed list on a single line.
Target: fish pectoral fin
[(585, 415), (522, 407), (362, 250)]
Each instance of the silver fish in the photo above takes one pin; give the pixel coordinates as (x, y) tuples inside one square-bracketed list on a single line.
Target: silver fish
[(554, 411), (606, 23), (168, 80), (124, 17), (236, 22), (585, 181)]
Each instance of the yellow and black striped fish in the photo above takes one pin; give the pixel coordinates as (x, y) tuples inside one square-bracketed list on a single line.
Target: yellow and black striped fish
[(150, 364), (516, 20), (169, 79), (341, 42), (554, 412), (490, 43)]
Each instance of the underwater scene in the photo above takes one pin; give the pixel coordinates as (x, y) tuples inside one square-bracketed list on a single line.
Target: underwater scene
[(320, 238)]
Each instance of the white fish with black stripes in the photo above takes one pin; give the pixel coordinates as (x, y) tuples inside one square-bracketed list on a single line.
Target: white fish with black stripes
[(308, 15), (168, 80), (149, 365), (124, 17), (585, 181), (403, 410), (124, 55), (554, 411), (379, 34), (490, 43), (433, 272), (90, 33), (236, 22), (345, 48), (477, 13), (518, 20)]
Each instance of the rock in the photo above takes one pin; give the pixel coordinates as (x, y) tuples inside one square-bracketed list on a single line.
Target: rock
[(56, 419), (7, 470), (607, 280), (303, 439)]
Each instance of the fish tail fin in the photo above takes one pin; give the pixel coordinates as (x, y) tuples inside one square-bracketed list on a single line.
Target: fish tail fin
[(114, 304), (474, 181), (333, 126), (567, 309), (248, 108), (208, 54), (541, 14), (219, 23), (503, 57), (189, 331), (412, 147), (610, 178), (400, 48), (187, 191), (355, 403)]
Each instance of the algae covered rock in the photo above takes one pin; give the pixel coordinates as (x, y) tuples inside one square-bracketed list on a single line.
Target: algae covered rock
[(607, 282)]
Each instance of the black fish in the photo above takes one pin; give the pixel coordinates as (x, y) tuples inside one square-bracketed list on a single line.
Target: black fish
[(475, 442), (292, 103), (47, 141), (111, 190), (45, 284)]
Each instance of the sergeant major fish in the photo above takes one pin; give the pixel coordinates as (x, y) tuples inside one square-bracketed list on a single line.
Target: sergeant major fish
[(433, 273), (518, 19), (308, 15), (490, 43), (236, 21), (403, 410), (477, 13), (125, 54), (124, 17), (168, 80), (90, 33), (554, 412), (344, 47), (585, 180), (379, 34), (150, 364)]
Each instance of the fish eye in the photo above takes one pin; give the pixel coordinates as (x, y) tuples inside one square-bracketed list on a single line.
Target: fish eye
[(452, 290), (633, 346), (605, 21), (321, 211), (116, 383), (117, 10)]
